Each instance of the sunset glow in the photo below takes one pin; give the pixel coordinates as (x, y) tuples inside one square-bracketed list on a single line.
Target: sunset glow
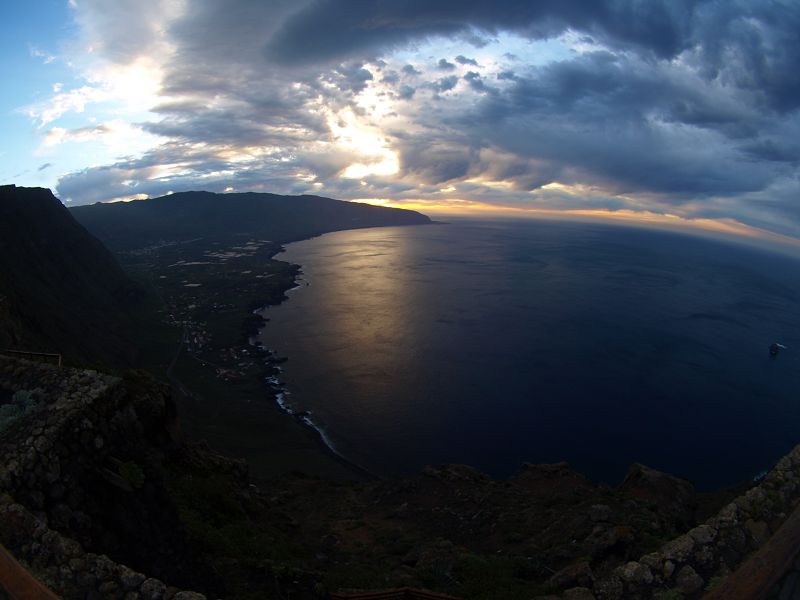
[(546, 113)]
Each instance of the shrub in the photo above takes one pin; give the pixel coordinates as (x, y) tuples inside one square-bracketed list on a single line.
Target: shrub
[(22, 403), (132, 473)]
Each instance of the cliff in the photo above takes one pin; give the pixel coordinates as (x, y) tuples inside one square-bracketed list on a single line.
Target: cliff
[(61, 290)]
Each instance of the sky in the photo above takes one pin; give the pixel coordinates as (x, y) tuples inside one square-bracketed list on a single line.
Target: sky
[(682, 111)]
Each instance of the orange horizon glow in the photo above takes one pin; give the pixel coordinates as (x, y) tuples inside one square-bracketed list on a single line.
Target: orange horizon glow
[(727, 227)]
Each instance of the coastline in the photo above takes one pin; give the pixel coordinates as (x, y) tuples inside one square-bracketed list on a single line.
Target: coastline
[(278, 390)]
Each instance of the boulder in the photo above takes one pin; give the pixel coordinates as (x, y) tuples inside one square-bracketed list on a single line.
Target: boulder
[(674, 497)]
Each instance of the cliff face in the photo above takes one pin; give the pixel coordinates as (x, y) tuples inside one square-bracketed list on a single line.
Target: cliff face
[(191, 215), (60, 289)]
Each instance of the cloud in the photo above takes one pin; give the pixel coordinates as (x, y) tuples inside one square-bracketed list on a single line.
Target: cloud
[(444, 84), (119, 31), (73, 101), (476, 83), (46, 57), (463, 60), (335, 29), (406, 92), (686, 106)]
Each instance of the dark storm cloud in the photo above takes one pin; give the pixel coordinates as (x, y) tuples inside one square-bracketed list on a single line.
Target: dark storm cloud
[(445, 84), (787, 151), (749, 44), (354, 77), (435, 163), (476, 83), (406, 92), (608, 118), (683, 104), (334, 29), (755, 46), (506, 75)]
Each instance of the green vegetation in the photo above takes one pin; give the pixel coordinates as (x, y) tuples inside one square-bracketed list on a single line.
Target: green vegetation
[(714, 582), (669, 595), (13, 413), (132, 473), (486, 577)]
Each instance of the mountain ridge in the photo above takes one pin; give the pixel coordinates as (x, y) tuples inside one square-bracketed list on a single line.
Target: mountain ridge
[(188, 215)]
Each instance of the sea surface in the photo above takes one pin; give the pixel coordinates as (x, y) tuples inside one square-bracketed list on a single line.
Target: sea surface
[(498, 343)]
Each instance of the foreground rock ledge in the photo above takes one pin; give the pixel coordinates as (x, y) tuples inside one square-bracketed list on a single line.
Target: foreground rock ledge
[(77, 422), (85, 440)]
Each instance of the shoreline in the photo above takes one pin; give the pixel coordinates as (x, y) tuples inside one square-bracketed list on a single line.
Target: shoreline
[(284, 399), (278, 390)]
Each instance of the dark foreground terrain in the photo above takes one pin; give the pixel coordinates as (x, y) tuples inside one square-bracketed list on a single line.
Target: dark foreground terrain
[(97, 474)]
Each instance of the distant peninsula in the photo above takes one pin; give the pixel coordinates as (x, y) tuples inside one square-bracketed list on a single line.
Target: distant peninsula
[(189, 215)]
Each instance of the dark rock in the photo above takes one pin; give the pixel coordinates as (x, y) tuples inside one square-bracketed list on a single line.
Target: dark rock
[(578, 593), (130, 579), (552, 480), (673, 496), (189, 596), (609, 588), (679, 549), (605, 538), (635, 573), (152, 589), (758, 530), (600, 512), (688, 581), (575, 575)]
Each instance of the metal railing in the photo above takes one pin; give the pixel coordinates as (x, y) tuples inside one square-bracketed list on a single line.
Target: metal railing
[(405, 593), (57, 358)]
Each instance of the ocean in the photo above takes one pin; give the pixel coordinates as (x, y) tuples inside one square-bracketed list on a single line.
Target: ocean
[(495, 343)]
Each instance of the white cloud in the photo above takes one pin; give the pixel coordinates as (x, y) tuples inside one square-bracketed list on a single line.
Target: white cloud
[(602, 106), (73, 101)]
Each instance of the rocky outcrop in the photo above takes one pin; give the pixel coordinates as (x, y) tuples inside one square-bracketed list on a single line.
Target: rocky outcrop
[(80, 481), (673, 496), (700, 559)]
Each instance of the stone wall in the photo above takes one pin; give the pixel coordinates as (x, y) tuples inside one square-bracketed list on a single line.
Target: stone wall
[(79, 473), (699, 560)]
